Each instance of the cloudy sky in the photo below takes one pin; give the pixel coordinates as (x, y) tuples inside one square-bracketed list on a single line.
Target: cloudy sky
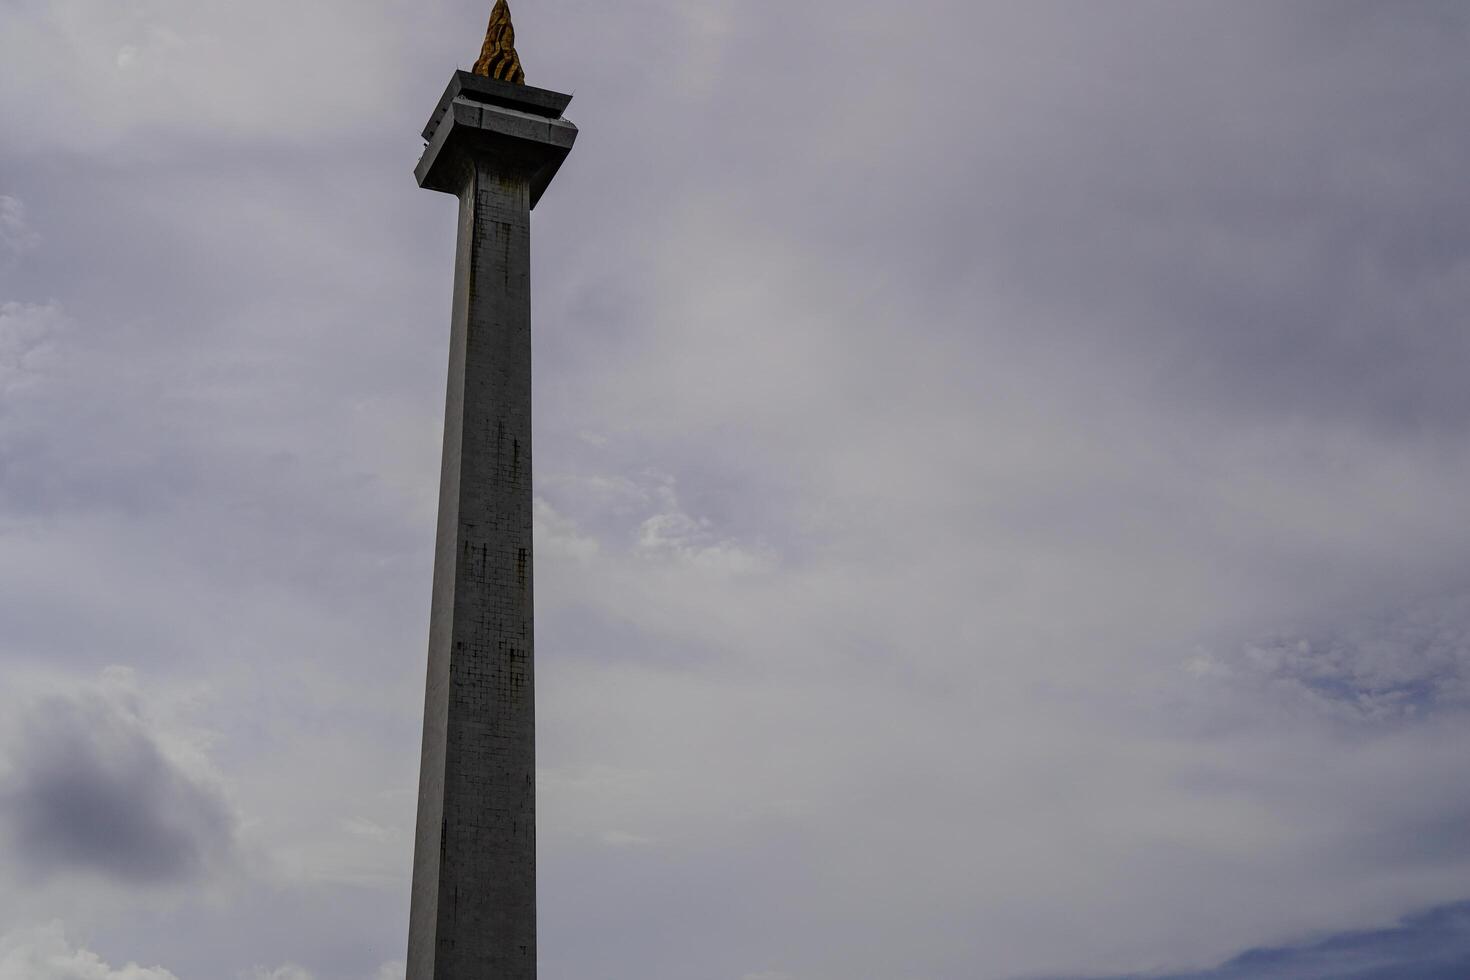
[(1002, 487)]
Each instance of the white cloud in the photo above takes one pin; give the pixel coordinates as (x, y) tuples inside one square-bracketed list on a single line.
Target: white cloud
[(672, 535), (557, 537), (287, 972), (16, 235), (1379, 666), (44, 953), (29, 338)]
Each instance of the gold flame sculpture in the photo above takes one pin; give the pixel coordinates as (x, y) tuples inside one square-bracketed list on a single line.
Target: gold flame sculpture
[(498, 58)]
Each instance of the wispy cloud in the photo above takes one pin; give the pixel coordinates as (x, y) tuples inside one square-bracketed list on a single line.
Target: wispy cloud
[(16, 234)]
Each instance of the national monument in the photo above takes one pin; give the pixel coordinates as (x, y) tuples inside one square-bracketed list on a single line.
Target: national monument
[(495, 143)]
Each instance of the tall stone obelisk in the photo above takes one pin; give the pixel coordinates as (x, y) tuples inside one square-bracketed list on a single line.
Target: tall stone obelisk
[(496, 143)]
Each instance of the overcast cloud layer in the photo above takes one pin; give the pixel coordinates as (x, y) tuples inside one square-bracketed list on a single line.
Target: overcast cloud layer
[(1002, 479)]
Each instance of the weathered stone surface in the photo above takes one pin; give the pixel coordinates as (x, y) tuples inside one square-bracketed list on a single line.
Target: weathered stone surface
[(518, 134), (476, 88), (473, 911)]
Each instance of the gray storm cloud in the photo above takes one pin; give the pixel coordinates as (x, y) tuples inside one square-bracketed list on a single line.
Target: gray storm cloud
[(91, 788)]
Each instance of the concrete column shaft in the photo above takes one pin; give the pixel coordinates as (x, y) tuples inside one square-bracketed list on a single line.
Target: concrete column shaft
[(474, 915)]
